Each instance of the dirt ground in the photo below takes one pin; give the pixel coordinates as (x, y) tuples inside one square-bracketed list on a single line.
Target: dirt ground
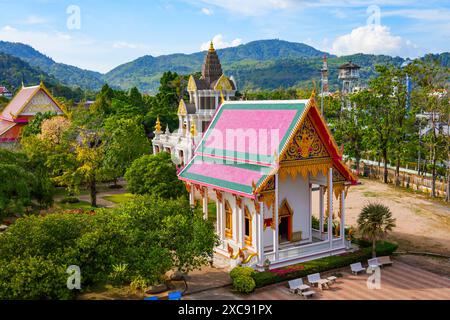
[(422, 224)]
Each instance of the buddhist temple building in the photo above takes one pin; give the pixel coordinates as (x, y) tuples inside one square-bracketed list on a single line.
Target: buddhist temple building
[(22, 108), (4, 92), (205, 96), (262, 161)]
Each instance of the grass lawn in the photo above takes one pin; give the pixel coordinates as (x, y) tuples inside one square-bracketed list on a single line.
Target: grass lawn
[(119, 198), (73, 206)]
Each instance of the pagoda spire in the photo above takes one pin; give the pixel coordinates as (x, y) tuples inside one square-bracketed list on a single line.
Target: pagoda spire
[(211, 69)]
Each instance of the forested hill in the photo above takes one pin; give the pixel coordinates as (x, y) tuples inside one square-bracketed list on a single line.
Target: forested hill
[(14, 70), (66, 74), (263, 64), (146, 71)]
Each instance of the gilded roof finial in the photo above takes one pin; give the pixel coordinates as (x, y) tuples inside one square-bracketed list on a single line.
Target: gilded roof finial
[(41, 84), (253, 186), (193, 129), (211, 47), (158, 125), (313, 93), (222, 98)]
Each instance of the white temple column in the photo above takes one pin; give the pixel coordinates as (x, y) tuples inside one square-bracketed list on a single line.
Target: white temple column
[(218, 213), (276, 225), (205, 203), (217, 100), (330, 207), (188, 127), (321, 209), (222, 219), (191, 196), (342, 233), (260, 235), (180, 126), (240, 229)]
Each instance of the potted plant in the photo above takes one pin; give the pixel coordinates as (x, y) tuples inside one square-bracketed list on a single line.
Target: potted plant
[(267, 265)]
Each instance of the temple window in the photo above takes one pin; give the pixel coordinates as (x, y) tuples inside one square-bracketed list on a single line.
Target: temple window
[(228, 220), (248, 227)]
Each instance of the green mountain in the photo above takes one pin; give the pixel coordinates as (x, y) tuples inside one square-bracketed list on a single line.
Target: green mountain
[(14, 71), (145, 72), (68, 75), (263, 64)]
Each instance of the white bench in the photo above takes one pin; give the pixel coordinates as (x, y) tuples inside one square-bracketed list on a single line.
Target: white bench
[(296, 286), (315, 279), (374, 263), (357, 268), (307, 294)]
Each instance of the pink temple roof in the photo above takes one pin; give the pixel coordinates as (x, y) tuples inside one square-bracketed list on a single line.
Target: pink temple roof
[(18, 102), (240, 149), (5, 126), (251, 131)]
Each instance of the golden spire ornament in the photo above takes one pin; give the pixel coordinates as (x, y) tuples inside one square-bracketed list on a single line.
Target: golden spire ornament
[(193, 129), (158, 125), (222, 98), (211, 47)]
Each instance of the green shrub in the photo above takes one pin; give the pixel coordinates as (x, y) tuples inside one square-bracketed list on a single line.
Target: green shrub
[(241, 271), (149, 235), (244, 284), (320, 265), (33, 278), (70, 200)]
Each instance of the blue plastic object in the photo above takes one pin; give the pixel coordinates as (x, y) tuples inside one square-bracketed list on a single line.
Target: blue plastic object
[(176, 295)]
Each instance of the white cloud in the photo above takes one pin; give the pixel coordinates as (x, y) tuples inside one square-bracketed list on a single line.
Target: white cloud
[(261, 7), (372, 39), (207, 11), (220, 43), (34, 20), (250, 7), (419, 14), (8, 28)]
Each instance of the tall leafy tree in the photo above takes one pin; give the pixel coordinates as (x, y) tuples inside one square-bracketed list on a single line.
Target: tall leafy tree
[(125, 142), (384, 114), (431, 96), (154, 174)]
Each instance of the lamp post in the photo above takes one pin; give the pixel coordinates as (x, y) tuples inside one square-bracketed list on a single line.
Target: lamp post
[(420, 117)]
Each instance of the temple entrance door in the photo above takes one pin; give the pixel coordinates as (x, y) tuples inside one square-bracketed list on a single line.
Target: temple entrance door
[(285, 222), (284, 229)]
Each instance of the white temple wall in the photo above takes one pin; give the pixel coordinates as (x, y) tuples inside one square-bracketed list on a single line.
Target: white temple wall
[(298, 196)]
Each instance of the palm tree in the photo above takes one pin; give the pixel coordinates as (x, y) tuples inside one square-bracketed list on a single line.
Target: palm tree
[(374, 222)]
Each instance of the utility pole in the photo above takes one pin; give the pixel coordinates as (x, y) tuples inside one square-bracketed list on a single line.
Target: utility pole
[(324, 88)]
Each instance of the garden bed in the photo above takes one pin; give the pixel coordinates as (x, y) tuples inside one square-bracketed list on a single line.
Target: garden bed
[(320, 265)]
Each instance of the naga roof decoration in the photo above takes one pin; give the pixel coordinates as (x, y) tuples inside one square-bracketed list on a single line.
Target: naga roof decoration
[(239, 151)]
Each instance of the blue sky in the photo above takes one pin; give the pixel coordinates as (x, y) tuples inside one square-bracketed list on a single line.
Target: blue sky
[(109, 33)]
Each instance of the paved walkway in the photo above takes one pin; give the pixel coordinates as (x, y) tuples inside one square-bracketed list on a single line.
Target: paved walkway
[(398, 282)]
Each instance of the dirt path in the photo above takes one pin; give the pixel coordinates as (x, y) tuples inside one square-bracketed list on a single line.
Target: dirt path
[(422, 224)]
